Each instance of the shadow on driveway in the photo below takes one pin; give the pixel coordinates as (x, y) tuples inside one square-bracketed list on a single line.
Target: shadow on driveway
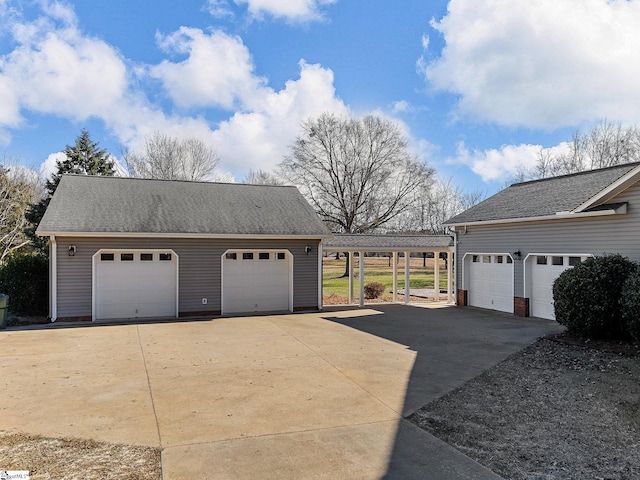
[(452, 346)]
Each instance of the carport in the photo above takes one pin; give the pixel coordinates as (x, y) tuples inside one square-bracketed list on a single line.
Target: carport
[(395, 245)]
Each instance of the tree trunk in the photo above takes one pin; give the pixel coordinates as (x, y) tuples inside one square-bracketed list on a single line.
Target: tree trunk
[(346, 265)]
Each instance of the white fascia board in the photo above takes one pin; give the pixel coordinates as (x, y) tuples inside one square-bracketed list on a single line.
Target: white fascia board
[(612, 190), (183, 235), (557, 216)]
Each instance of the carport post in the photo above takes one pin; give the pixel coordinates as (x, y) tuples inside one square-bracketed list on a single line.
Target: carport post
[(350, 278), (436, 276), (449, 278), (395, 277), (361, 278), (407, 266)]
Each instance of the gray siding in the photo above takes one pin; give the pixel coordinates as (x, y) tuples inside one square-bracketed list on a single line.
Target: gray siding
[(199, 269), (597, 236)]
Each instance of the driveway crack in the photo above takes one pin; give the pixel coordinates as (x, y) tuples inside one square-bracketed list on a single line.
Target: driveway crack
[(146, 371)]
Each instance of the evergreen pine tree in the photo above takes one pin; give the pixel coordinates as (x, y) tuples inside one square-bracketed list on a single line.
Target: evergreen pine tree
[(83, 158)]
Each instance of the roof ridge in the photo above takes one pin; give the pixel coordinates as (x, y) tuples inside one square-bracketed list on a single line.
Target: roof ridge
[(575, 174), (204, 182)]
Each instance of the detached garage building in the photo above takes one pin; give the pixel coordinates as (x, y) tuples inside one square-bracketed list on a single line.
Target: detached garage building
[(512, 246), (132, 248)]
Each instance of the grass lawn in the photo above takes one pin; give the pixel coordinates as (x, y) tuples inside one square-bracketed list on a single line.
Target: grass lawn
[(377, 269)]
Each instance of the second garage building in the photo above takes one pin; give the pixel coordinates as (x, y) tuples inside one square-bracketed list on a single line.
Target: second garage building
[(511, 247), (130, 248)]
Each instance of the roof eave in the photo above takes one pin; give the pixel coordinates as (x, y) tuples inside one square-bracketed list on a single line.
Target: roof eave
[(612, 190), (557, 216), (319, 236)]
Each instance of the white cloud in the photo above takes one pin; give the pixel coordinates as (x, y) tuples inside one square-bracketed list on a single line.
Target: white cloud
[(259, 139), (507, 161), (9, 107), (219, 9), (540, 64), (57, 70), (218, 71), (50, 165), (401, 106), (292, 10)]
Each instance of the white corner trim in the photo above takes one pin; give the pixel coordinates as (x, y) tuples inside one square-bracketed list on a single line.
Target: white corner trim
[(54, 279)]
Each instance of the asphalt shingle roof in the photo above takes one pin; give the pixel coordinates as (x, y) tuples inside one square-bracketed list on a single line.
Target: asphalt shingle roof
[(543, 197), (96, 204), (392, 242)]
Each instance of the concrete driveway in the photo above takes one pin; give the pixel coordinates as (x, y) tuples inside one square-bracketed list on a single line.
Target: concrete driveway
[(318, 395)]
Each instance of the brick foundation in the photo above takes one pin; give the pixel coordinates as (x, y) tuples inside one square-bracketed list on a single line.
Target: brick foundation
[(520, 306), (462, 298)]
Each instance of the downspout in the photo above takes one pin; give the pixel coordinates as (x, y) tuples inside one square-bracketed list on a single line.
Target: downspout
[(53, 279)]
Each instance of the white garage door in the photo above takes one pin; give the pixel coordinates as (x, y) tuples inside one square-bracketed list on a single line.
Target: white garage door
[(135, 284), (256, 281), (491, 282), (544, 270)]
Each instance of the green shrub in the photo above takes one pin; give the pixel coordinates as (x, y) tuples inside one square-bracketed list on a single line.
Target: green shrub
[(25, 278), (373, 290), (587, 297), (630, 304)]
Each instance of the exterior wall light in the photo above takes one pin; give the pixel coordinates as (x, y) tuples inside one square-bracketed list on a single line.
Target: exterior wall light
[(517, 255), (307, 250), (72, 250)]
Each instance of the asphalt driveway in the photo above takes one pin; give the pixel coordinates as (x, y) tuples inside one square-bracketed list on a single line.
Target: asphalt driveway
[(318, 395)]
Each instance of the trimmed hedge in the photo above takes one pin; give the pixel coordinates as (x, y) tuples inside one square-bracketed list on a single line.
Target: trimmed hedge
[(587, 297), (373, 290), (25, 278), (630, 304)]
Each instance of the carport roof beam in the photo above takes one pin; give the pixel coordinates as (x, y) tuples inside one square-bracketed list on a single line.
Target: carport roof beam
[(389, 243)]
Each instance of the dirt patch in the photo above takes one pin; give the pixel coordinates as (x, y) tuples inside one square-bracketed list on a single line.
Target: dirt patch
[(555, 410), (71, 459)]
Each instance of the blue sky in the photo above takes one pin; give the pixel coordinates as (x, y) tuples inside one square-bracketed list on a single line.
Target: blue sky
[(478, 86)]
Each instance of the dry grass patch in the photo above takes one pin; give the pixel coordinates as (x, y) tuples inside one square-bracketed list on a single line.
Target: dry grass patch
[(552, 411), (71, 459)]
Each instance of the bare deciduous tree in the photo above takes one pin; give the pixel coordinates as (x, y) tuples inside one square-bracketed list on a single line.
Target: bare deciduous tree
[(434, 205), (261, 177), (357, 173), (606, 145), (18, 189), (169, 158)]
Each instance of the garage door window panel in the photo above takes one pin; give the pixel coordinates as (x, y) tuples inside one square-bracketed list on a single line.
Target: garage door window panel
[(573, 261)]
